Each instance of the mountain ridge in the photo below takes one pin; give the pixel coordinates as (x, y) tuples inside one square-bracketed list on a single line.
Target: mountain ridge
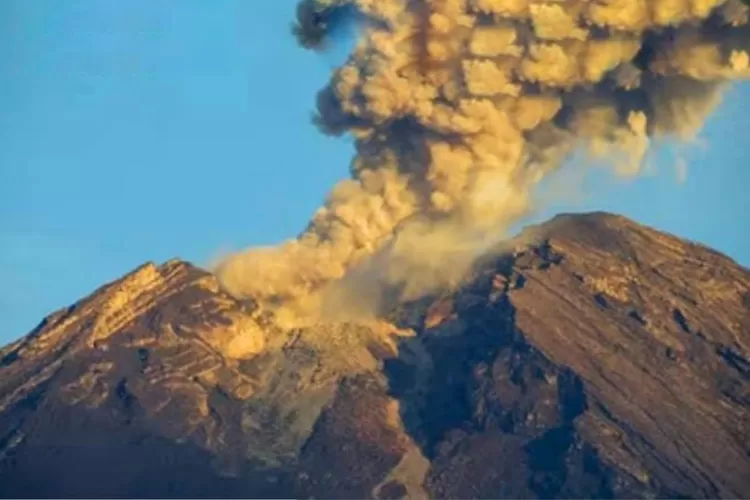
[(591, 356)]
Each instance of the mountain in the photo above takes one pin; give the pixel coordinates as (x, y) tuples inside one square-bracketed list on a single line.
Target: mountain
[(590, 357)]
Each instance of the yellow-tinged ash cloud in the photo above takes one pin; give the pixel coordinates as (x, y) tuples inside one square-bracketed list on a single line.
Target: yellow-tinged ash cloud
[(459, 108)]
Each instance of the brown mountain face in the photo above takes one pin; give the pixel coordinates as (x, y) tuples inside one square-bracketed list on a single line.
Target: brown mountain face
[(594, 357)]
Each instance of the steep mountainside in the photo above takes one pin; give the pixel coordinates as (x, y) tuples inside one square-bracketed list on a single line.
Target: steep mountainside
[(590, 357)]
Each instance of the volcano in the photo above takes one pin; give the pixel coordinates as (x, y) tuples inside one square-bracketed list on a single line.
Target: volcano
[(589, 357)]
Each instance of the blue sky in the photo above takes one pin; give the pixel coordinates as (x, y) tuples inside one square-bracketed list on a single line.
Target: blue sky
[(149, 129)]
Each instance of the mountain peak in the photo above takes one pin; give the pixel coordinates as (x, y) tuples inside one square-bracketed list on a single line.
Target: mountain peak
[(132, 298), (590, 356)]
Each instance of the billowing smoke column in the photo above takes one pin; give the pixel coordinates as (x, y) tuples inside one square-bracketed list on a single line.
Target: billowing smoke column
[(459, 107)]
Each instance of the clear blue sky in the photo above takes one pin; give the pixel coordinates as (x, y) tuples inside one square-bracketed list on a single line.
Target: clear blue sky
[(147, 129)]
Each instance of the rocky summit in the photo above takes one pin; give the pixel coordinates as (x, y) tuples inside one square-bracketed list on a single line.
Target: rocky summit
[(590, 357)]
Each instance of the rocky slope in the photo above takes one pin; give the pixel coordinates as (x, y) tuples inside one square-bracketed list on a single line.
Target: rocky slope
[(594, 357)]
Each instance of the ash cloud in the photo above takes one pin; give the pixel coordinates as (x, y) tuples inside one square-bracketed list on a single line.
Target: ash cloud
[(459, 108)]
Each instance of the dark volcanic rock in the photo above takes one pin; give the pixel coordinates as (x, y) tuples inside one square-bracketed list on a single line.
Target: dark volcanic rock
[(591, 357)]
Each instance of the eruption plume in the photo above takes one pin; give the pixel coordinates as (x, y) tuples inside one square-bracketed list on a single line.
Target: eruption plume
[(459, 108)]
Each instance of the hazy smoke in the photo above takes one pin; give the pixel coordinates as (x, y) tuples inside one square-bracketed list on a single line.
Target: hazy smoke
[(459, 107)]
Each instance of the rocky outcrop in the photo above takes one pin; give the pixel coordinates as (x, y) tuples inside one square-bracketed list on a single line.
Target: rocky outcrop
[(590, 357)]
